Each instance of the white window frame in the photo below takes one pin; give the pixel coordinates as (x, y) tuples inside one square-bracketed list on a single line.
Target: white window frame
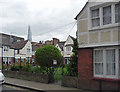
[(116, 76), (107, 14), (116, 13), (68, 48), (28, 50), (94, 18), (112, 24)]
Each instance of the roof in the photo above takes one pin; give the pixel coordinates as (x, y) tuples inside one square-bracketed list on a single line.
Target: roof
[(61, 44), (81, 11), (18, 45), (35, 47), (72, 37), (7, 39)]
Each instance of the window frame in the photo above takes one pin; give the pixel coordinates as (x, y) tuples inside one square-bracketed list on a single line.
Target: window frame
[(112, 24), (95, 18), (68, 48), (104, 16), (117, 13), (104, 63)]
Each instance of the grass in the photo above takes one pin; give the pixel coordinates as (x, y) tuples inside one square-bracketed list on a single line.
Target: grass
[(58, 73)]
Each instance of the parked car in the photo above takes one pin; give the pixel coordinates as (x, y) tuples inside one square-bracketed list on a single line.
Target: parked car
[(2, 77)]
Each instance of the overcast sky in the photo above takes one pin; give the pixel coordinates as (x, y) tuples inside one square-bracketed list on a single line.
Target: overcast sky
[(47, 18)]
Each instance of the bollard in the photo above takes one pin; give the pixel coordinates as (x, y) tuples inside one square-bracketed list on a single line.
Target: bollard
[(100, 85)]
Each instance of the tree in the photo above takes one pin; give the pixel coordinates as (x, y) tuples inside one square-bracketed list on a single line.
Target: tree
[(72, 67), (44, 56)]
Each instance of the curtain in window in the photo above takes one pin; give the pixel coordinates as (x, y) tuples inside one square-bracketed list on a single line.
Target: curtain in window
[(95, 13), (107, 15), (110, 62), (98, 62), (95, 18)]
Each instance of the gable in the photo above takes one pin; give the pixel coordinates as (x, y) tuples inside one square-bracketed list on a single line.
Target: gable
[(69, 41), (83, 13), (57, 46)]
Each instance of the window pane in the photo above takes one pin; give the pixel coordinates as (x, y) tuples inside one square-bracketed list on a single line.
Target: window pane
[(98, 68), (95, 18), (107, 15), (96, 22), (117, 13), (110, 59), (98, 62), (99, 56), (95, 13)]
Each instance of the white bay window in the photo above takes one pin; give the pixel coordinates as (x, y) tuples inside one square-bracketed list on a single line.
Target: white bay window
[(106, 63)]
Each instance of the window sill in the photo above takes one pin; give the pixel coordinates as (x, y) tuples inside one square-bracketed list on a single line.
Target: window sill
[(106, 79), (104, 27)]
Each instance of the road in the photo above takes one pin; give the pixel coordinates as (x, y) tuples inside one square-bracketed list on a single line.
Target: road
[(8, 88)]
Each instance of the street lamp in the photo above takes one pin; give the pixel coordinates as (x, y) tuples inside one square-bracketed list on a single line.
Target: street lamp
[(2, 57)]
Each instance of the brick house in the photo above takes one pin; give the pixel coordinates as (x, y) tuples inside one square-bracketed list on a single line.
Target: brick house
[(99, 52)]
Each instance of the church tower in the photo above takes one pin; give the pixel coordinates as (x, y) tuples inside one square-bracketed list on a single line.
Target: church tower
[(29, 37)]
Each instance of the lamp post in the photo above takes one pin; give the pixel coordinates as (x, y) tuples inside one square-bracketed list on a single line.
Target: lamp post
[(2, 57)]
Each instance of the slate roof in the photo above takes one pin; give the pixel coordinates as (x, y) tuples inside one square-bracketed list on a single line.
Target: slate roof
[(35, 47), (5, 39), (18, 45), (61, 44)]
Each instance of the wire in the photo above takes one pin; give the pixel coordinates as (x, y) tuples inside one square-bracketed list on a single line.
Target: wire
[(71, 29), (57, 28)]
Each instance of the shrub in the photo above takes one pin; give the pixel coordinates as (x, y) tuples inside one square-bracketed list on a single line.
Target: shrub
[(44, 56)]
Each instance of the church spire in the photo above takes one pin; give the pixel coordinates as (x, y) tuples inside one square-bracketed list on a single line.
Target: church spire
[(29, 37)]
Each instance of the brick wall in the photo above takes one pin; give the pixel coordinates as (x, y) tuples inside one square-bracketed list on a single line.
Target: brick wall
[(85, 72)]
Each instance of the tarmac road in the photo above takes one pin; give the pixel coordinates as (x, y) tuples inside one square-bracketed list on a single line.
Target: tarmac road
[(8, 88)]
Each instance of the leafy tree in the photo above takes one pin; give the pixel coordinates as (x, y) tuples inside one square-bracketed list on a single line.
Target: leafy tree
[(72, 67), (44, 56)]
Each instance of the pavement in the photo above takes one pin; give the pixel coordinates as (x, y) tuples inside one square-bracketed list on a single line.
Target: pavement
[(40, 86)]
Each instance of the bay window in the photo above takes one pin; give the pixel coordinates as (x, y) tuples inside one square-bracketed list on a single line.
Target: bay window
[(68, 48), (106, 63)]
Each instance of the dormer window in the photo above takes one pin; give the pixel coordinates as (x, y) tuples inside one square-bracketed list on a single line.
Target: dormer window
[(107, 15), (95, 18)]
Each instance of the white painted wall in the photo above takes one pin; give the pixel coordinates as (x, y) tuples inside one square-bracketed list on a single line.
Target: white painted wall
[(67, 53), (24, 53)]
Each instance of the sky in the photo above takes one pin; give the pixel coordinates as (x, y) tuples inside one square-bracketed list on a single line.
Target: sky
[(47, 18)]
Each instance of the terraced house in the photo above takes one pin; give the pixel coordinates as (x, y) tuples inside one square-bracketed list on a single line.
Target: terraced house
[(99, 52), (15, 49)]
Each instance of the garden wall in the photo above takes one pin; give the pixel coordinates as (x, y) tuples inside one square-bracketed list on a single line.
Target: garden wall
[(69, 81), (43, 78)]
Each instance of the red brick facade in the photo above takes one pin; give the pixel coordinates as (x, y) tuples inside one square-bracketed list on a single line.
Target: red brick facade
[(86, 79)]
